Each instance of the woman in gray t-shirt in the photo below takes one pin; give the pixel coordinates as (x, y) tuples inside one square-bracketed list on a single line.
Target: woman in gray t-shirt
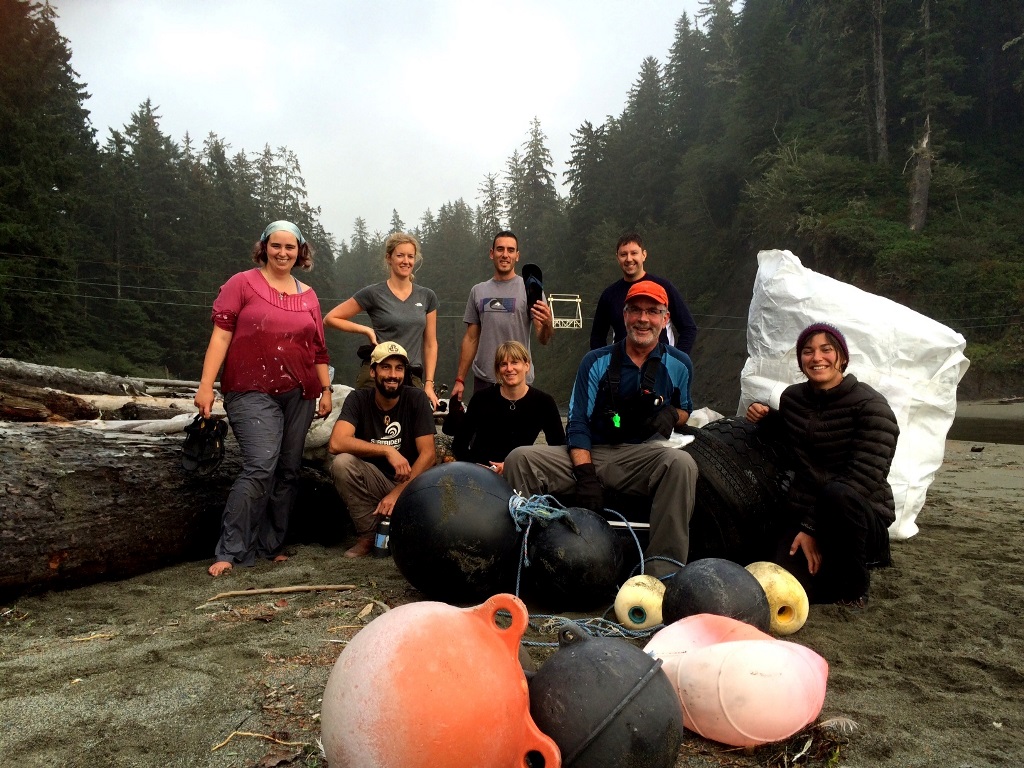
[(399, 311)]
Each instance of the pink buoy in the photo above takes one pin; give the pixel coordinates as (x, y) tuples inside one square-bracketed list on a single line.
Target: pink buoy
[(700, 631), (430, 685), (738, 685)]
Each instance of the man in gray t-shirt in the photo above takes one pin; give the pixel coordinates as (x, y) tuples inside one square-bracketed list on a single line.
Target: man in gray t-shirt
[(497, 312)]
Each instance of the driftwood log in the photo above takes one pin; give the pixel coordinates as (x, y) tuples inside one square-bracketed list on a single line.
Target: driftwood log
[(70, 380), (80, 504), (23, 402)]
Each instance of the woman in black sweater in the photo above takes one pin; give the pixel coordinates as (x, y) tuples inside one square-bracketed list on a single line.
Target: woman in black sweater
[(842, 434), (507, 415)]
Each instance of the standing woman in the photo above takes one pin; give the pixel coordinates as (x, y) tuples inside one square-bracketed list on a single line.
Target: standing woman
[(507, 416), (269, 338), (843, 435), (399, 311)]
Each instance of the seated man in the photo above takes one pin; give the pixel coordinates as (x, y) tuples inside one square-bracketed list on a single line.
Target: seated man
[(384, 437), (625, 395)]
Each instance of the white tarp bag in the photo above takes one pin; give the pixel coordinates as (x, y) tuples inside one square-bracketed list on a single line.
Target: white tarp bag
[(913, 360)]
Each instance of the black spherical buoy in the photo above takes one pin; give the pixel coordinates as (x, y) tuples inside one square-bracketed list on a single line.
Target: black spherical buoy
[(574, 562), (607, 704), (452, 535), (717, 586)]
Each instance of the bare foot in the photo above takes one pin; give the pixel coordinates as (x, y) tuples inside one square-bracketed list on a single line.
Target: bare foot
[(280, 558), (362, 546), (220, 568)]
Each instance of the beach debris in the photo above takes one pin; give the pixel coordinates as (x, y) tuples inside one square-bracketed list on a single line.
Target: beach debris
[(839, 724), (606, 703), (787, 599), (977, 448), (266, 736), (283, 590), (806, 748), (738, 685), (433, 668), (452, 536), (638, 602), (93, 636), (717, 586)]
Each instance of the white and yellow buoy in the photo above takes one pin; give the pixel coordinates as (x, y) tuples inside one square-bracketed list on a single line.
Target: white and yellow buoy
[(638, 602), (786, 597)]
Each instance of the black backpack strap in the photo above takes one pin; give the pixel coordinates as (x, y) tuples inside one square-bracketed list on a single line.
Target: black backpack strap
[(615, 369), (651, 373)]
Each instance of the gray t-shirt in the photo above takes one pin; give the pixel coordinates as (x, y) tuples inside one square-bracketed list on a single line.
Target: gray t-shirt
[(396, 320), (499, 308)]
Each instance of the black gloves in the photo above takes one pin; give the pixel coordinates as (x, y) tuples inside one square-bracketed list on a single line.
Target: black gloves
[(664, 420), (589, 492)]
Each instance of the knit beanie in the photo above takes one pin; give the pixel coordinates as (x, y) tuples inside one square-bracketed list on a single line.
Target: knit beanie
[(814, 328)]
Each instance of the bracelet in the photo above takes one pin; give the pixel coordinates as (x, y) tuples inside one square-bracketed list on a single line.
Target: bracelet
[(325, 389), (459, 380), (428, 381)]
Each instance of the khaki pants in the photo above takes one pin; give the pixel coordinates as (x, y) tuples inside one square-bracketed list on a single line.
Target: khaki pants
[(666, 475), (361, 486)]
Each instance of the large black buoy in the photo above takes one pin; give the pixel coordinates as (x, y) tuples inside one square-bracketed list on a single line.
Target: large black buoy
[(452, 535), (574, 562), (607, 704), (717, 586)]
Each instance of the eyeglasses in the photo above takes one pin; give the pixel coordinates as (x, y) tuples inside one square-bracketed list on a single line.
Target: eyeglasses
[(634, 312)]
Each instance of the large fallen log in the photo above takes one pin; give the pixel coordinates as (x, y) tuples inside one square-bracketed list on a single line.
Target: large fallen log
[(69, 379), (23, 402), (80, 504)]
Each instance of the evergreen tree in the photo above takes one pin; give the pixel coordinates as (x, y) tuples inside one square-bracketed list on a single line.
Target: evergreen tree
[(488, 213), (46, 156), (532, 196)]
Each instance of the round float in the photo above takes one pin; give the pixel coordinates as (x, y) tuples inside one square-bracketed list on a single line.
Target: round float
[(607, 704), (452, 535), (574, 562), (738, 685), (787, 599), (638, 602), (428, 685), (717, 586)]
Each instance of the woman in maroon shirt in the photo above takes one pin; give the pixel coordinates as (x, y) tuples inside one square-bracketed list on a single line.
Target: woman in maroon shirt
[(269, 338)]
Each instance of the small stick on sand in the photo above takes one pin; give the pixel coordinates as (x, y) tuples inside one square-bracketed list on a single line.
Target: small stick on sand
[(259, 736), (94, 636), (284, 590)]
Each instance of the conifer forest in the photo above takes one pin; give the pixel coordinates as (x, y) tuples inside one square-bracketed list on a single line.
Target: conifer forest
[(882, 141)]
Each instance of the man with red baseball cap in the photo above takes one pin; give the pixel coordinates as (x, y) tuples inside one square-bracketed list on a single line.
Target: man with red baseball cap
[(627, 400)]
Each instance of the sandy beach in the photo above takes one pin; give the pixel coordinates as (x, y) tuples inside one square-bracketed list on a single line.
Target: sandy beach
[(153, 671)]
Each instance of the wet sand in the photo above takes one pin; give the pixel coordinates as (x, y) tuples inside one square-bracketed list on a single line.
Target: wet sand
[(152, 671)]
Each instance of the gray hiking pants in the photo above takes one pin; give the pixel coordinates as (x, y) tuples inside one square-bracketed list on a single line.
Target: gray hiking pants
[(666, 475), (271, 431)]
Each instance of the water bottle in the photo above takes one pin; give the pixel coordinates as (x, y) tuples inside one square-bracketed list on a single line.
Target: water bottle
[(382, 538)]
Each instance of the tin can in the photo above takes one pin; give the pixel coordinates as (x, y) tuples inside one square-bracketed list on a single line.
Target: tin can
[(382, 538)]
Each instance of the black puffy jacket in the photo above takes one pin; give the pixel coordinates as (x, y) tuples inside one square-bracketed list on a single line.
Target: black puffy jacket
[(846, 434)]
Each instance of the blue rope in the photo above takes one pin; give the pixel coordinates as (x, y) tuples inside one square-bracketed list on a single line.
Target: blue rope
[(547, 624), (524, 511), (544, 509)]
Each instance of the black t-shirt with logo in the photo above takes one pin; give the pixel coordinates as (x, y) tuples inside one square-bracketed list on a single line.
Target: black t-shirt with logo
[(411, 417)]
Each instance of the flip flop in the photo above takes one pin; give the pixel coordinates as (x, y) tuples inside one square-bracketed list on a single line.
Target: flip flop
[(203, 449), (534, 280)]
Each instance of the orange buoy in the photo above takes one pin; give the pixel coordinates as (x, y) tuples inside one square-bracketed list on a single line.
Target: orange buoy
[(431, 685)]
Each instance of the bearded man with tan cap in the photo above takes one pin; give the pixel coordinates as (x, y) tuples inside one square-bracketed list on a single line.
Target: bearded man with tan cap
[(627, 400), (384, 437)]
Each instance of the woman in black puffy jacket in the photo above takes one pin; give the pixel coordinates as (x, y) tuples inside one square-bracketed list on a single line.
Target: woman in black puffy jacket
[(842, 434)]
